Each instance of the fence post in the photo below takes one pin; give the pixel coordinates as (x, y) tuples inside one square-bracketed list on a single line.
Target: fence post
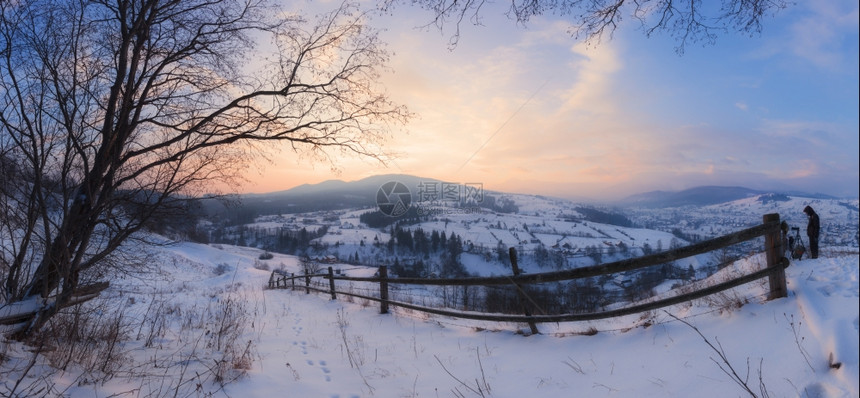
[(272, 276), (307, 282), (774, 252), (293, 279), (331, 282), (383, 289), (513, 254)]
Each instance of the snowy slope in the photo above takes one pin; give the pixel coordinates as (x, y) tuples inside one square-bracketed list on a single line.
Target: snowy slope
[(839, 217), (306, 345), (788, 340)]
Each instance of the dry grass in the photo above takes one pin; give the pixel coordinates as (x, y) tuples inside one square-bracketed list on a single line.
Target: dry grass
[(164, 349)]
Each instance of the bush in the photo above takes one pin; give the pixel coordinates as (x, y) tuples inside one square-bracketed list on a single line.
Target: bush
[(261, 265), (221, 269), (266, 256)]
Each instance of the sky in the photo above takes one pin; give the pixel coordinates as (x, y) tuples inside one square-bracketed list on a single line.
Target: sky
[(529, 109)]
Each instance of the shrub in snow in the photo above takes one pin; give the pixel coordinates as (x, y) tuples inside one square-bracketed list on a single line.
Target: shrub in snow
[(261, 265), (266, 256), (221, 269)]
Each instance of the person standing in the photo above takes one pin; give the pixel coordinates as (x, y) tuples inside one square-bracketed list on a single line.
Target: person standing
[(812, 231)]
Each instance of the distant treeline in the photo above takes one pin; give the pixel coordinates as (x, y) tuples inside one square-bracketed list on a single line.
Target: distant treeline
[(501, 205), (378, 219), (602, 217), (418, 243), (279, 240), (238, 211)]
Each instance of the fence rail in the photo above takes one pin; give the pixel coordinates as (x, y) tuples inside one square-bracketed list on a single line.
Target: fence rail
[(771, 228)]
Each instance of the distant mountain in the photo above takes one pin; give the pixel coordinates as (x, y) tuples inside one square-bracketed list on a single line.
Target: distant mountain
[(338, 194), (703, 196), (325, 186), (698, 196), (363, 188), (326, 195)]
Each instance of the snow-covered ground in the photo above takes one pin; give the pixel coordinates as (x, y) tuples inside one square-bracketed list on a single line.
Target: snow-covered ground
[(306, 345), (839, 217)]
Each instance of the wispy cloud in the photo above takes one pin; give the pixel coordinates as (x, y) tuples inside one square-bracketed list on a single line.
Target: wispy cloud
[(530, 110), (819, 32), (820, 37), (813, 133)]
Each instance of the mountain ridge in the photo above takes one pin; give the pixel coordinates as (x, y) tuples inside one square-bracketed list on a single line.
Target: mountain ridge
[(339, 194), (705, 195)]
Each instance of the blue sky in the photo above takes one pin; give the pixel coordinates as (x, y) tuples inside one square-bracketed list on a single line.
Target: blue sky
[(533, 110)]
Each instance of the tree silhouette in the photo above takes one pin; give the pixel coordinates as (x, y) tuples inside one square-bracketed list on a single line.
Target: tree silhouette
[(686, 21), (112, 105)]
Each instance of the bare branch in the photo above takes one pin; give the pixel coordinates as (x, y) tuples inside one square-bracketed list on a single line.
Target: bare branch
[(114, 112), (686, 21)]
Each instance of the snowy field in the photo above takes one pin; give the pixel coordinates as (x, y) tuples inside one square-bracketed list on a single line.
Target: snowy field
[(294, 344)]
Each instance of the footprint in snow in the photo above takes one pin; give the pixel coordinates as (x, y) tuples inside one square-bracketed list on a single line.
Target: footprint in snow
[(326, 371), (304, 346)]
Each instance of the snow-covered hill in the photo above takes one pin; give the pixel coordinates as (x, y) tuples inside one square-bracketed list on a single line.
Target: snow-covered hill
[(540, 223), (306, 345), (840, 219), (548, 233)]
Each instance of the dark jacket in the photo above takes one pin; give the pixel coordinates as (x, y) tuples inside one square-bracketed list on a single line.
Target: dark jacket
[(814, 226)]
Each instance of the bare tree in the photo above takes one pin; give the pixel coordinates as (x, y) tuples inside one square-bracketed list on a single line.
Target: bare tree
[(112, 111), (687, 21), (309, 266)]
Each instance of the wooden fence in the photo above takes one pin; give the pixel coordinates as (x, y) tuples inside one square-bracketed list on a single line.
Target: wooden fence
[(771, 229)]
